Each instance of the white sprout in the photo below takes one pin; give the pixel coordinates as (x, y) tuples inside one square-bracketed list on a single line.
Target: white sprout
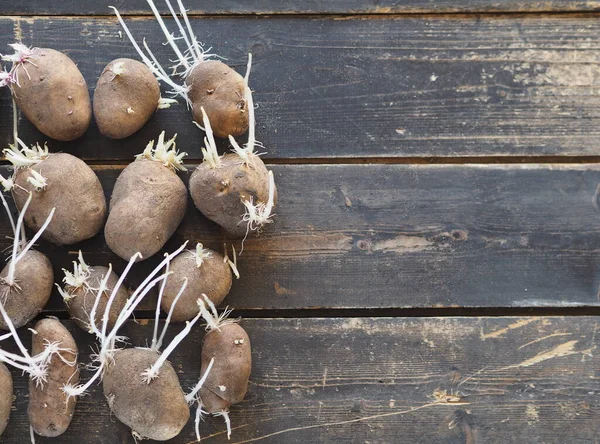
[(108, 339), (158, 344), (155, 346), (200, 254), (213, 320), (77, 279), (225, 415), (25, 157), (232, 264), (6, 78), (118, 68), (210, 155), (38, 181), (36, 366), (191, 396), (22, 55), (199, 413), (247, 152), (187, 59), (165, 152), (152, 372), (20, 247), (259, 214), (164, 103)]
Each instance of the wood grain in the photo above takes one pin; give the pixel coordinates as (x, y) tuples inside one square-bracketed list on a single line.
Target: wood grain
[(229, 7), (453, 380), (394, 87), (389, 236)]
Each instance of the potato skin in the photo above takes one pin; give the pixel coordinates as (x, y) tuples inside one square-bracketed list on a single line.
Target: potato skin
[(35, 276), (221, 91), (212, 278), (231, 369), (147, 205), (157, 410), (53, 95), (73, 188), (218, 192), (49, 411), (124, 103), (83, 300), (6, 388)]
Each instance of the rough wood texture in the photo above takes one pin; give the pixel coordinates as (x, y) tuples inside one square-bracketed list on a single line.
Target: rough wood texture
[(226, 7), (377, 236), (453, 380), (394, 87)]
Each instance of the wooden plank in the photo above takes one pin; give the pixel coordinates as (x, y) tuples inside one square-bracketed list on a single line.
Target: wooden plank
[(229, 7), (356, 380), (393, 87), (381, 236)]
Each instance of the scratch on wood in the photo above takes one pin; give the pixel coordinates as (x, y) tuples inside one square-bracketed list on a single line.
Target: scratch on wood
[(325, 377), (532, 413), (403, 244), (18, 31), (280, 290), (499, 333), (544, 338), (566, 349)]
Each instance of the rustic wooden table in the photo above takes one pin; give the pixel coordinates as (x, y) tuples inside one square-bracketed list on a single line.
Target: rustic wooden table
[(432, 273)]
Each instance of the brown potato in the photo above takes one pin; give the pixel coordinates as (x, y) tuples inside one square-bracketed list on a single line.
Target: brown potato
[(50, 412), (221, 91), (53, 94), (73, 188), (218, 192), (35, 278), (157, 410), (147, 205), (227, 382), (212, 278), (125, 98), (6, 388), (82, 299)]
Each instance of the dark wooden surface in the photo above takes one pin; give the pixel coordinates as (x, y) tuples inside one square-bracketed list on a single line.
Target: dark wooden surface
[(227, 7), (394, 87), (381, 236), (428, 164), (452, 380)]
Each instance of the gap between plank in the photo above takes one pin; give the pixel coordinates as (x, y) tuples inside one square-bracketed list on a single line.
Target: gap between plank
[(420, 13), (387, 312), (461, 160)]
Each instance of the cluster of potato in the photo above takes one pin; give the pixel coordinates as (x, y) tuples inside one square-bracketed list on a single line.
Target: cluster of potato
[(60, 199)]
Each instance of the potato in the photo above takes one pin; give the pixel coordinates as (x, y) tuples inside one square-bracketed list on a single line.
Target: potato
[(213, 278), (73, 188), (35, 278), (6, 388), (125, 98), (50, 412), (81, 299), (53, 94), (147, 205), (227, 382), (157, 410), (220, 90), (218, 192)]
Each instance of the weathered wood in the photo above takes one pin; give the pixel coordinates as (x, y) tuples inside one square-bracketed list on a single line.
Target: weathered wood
[(394, 87), (453, 380), (227, 7), (379, 236)]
